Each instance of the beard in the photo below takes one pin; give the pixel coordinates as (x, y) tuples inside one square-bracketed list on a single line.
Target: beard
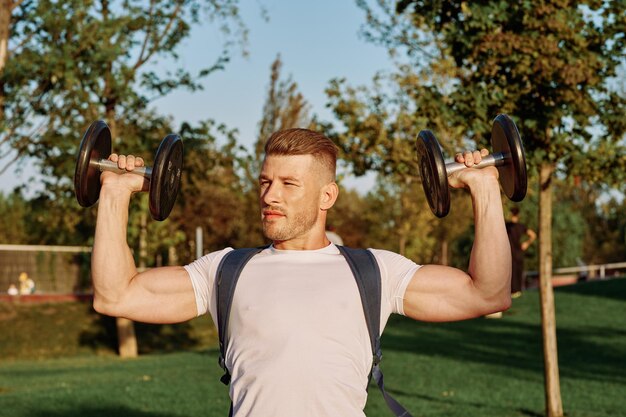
[(291, 226)]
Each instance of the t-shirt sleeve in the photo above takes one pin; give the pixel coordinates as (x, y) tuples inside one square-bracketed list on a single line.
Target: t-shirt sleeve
[(202, 275), (396, 272)]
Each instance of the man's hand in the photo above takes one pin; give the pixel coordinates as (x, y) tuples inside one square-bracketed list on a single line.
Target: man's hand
[(123, 182), (465, 177)]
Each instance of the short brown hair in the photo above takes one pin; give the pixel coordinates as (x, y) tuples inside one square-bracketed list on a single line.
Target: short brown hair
[(303, 142)]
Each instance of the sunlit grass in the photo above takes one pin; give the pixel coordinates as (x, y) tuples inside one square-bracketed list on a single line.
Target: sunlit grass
[(478, 367)]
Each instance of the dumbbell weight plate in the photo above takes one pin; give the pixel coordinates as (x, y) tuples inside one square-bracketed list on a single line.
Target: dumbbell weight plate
[(433, 173), (165, 180), (96, 145), (505, 138)]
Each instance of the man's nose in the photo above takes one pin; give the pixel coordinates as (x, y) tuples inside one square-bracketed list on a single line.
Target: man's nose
[(272, 194)]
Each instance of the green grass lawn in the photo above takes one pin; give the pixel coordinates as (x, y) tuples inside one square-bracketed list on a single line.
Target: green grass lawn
[(62, 363)]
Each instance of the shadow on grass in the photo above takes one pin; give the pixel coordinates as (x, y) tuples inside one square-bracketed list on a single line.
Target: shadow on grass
[(151, 338), (590, 350), (105, 411), (614, 289), (467, 405)]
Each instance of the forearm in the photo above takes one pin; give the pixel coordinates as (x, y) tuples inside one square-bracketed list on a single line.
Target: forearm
[(490, 260), (112, 263)]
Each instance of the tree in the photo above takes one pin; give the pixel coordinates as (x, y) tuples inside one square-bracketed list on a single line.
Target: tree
[(6, 23), (13, 215), (15, 114), (285, 107), (80, 61), (92, 60), (216, 193), (378, 130), (550, 65), (98, 60)]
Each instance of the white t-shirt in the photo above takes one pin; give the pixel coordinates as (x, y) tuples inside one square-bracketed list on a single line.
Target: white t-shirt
[(298, 341)]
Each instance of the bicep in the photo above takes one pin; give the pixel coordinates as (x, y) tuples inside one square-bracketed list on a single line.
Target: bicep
[(159, 295), (440, 293)]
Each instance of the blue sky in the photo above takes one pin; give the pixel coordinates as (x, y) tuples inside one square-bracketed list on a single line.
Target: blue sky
[(317, 41)]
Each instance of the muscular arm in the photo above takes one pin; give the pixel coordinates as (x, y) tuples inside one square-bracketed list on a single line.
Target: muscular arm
[(441, 293), (160, 295)]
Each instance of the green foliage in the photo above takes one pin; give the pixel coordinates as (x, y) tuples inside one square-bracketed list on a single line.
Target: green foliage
[(552, 66), (13, 212), (82, 60), (378, 134), (352, 218), (79, 61), (569, 227), (284, 108), (215, 194), (609, 239), (106, 67)]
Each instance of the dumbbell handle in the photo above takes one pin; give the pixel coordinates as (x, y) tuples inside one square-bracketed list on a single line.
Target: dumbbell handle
[(107, 165), (492, 160)]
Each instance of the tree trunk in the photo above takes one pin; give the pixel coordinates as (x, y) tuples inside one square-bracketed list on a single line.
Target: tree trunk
[(172, 256), (554, 407), (127, 339), (6, 6)]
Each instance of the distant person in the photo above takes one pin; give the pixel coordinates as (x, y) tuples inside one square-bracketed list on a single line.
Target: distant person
[(332, 235), (27, 285), (13, 290), (516, 232)]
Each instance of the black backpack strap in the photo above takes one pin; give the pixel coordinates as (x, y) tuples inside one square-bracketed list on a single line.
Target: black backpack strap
[(367, 274), (227, 276)]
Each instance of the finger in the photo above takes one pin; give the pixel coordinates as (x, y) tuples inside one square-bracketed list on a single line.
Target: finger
[(469, 158), (121, 162), (477, 157), (130, 163), (484, 152), (139, 162), (459, 158), (113, 157)]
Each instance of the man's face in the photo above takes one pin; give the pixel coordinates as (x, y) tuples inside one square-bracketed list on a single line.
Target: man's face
[(290, 190)]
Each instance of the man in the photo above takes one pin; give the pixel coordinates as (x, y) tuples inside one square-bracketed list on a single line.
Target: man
[(298, 342)]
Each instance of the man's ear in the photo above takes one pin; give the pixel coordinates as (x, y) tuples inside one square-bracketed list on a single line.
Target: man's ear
[(329, 195)]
